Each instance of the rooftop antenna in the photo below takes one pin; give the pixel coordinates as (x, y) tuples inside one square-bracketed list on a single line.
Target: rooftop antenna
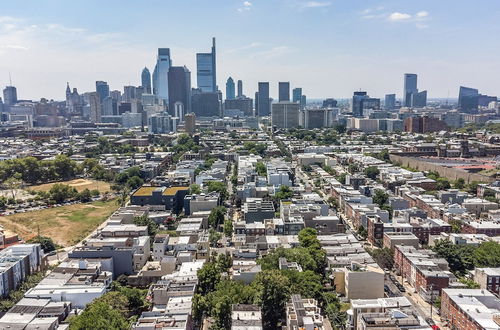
[(10, 80), (447, 97)]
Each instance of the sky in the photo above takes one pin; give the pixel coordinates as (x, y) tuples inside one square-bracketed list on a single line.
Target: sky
[(330, 48)]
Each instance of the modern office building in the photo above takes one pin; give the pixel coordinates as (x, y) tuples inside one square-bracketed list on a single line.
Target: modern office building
[(410, 87), (206, 104), (468, 99), (240, 88), (207, 70), (243, 104), (160, 73), (95, 107), (285, 115), (284, 91), (361, 102), (109, 107), (303, 101), (262, 101), (190, 123), (230, 93), (316, 118), (330, 103), (102, 89), (146, 80), (161, 123), (128, 93), (179, 90), (297, 95), (419, 99), (390, 101), (10, 95)]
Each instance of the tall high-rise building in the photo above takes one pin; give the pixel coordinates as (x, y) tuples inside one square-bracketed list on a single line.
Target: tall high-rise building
[(316, 118), (190, 123), (102, 88), (361, 101), (160, 73), (230, 89), (330, 103), (10, 95), (468, 99), (179, 89), (390, 101), (240, 88), (263, 102), (284, 91), (128, 93), (297, 95), (109, 107), (206, 104), (419, 99), (303, 101), (146, 80), (285, 115), (95, 107), (206, 70), (410, 87)]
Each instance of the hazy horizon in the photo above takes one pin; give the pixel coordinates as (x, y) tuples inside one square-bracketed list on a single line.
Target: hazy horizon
[(329, 48)]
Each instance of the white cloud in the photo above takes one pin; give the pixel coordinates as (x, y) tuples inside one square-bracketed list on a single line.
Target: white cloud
[(18, 47), (247, 5), (272, 52), (422, 14), (316, 4), (398, 17), (245, 47)]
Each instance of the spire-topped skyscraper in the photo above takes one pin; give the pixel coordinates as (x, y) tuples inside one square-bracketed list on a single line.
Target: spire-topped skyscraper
[(146, 80), (206, 70), (160, 74)]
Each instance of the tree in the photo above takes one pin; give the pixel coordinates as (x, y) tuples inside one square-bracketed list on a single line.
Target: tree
[(99, 316), (228, 228), (380, 197), (60, 192), (216, 216), (46, 243), (459, 184), (341, 178), (134, 182), (487, 255), (460, 258), (383, 257), (208, 277), (274, 292), (214, 236), (362, 232), (84, 196), (194, 189), (372, 172), (261, 168), (456, 226), (442, 184), (146, 221), (224, 262), (284, 192), (219, 187)]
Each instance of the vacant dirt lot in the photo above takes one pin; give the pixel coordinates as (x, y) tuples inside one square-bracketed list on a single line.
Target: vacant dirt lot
[(66, 225), (79, 184)]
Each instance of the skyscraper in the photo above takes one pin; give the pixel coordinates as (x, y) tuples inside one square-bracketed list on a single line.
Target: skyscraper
[(160, 73), (10, 95), (240, 88), (206, 70), (297, 95), (285, 115), (102, 89), (230, 89), (146, 80), (95, 107), (390, 101), (284, 91), (410, 87), (468, 99), (263, 102), (330, 103), (419, 99), (190, 123), (361, 101), (206, 104), (179, 89), (128, 93)]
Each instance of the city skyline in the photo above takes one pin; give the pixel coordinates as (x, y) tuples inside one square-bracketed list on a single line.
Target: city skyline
[(344, 48)]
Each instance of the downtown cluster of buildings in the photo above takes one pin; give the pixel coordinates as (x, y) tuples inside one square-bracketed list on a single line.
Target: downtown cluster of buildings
[(166, 100)]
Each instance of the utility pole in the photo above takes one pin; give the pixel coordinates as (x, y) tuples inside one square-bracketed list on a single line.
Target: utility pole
[(432, 296)]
